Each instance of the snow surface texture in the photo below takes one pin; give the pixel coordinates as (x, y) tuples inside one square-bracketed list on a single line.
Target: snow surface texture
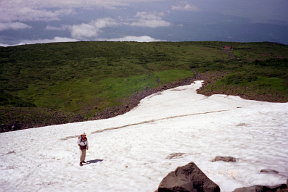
[(134, 151)]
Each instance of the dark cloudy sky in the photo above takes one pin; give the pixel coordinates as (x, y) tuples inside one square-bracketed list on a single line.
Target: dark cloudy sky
[(34, 21)]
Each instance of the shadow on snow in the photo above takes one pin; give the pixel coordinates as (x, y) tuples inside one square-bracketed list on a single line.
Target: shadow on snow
[(93, 161)]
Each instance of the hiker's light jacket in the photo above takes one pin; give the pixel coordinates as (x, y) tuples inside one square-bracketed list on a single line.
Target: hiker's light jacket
[(82, 143)]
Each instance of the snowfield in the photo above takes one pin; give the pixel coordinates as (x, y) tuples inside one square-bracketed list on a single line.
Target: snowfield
[(134, 151)]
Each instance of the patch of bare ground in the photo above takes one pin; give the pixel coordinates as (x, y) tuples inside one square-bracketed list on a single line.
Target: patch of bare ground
[(175, 155)]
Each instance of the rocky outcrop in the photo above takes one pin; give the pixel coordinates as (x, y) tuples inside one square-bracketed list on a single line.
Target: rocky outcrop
[(260, 188), (269, 171), (175, 155), (188, 178), (224, 158)]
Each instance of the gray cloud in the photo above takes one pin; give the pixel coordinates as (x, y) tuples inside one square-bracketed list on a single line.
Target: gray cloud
[(92, 29), (144, 38), (152, 20), (22, 11), (174, 20), (66, 39), (80, 4), (60, 28), (13, 26), (185, 7), (54, 40), (47, 10)]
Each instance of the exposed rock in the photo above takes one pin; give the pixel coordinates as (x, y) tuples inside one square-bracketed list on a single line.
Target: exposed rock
[(269, 171), (224, 158), (188, 178), (260, 188), (175, 155), (10, 152)]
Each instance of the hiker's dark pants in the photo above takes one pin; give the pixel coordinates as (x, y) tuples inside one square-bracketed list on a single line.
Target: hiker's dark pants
[(83, 155)]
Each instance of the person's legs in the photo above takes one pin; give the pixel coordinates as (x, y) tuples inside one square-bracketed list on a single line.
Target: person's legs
[(83, 156)]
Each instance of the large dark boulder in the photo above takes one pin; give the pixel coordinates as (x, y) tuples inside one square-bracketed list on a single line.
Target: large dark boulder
[(188, 178)]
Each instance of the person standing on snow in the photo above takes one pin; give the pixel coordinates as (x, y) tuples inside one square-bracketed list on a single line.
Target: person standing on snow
[(83, 145)]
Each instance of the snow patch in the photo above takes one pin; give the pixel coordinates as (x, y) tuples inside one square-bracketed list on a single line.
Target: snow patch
[(134, 151)]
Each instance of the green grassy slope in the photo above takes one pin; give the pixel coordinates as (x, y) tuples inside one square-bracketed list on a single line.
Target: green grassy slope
[(49, 83)]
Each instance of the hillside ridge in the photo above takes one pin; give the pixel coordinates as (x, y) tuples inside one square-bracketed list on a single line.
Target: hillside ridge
[(45, 84)]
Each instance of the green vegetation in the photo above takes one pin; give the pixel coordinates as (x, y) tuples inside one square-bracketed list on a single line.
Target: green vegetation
[(77, 80), (260, 78)]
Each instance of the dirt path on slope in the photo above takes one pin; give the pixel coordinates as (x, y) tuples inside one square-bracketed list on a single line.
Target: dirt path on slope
[(145, 122)]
